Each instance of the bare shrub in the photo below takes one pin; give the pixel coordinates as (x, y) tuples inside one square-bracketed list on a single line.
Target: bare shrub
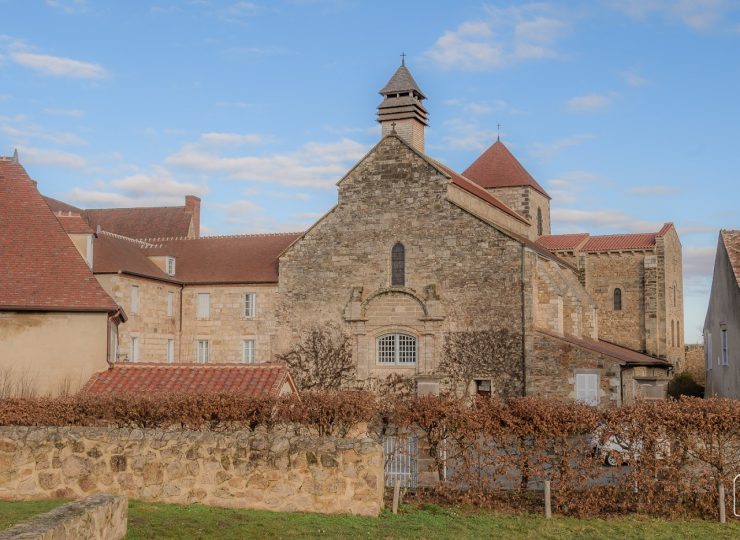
[(322, 360), (493, 353)]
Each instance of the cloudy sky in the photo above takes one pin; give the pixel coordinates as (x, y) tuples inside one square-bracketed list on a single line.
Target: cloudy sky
[(625, 110)]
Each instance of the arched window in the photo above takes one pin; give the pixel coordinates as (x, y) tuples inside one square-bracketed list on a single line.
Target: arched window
[(617, 299), (539, 222), (397, 349), (674, 294), (398, 265)]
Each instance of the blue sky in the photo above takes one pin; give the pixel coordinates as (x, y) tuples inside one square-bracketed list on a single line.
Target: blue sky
[(625, 110)]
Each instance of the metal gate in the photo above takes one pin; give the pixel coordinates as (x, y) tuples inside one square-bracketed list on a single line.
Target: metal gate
[(401, 461)]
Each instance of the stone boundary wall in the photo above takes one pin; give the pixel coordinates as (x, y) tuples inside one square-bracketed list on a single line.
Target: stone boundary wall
[(276, 470), (98, 517)]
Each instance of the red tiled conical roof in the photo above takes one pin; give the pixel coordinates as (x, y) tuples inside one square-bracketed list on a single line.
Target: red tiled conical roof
[(497, 167)]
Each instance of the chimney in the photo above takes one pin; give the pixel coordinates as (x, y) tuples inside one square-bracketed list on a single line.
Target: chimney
[(192, 203)]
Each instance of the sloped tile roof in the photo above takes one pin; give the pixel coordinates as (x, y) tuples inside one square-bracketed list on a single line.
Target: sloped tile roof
[(143, 222), (40, 269), (563, 242), (60, 206), (608, 242), (475, 189), (113, 253), (74, 223), (401, 81), (225, 259), (731, 240), (497, 167), (628, 356), (253, 380)]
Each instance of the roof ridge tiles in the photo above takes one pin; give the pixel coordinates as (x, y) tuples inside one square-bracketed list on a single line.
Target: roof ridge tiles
[(244, 235), (139, 242)]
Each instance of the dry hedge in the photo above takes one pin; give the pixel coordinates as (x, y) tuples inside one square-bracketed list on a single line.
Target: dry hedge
[(486, 451)]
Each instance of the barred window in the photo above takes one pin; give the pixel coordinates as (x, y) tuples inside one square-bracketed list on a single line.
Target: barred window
[(617, 299), (398, 265), (397, 349)]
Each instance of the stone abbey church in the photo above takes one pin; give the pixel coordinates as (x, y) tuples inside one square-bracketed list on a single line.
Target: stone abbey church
[(412, 254)]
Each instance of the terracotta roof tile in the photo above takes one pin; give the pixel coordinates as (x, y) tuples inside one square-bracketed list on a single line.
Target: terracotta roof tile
[(731, 240), (475, 189), (254, 380), (144, 222), (59, 206), (629, 356), (497, 167), (608, 242), (225, 259), (563, 242), (113, 254), (74, 223), (40, 269)]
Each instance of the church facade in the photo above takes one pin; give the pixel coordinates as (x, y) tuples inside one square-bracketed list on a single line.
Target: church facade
[(412, 257)]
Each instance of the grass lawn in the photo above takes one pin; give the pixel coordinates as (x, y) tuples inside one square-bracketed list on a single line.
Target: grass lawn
[(149, 520)]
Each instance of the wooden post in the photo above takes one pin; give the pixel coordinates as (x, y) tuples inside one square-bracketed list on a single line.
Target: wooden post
[(722, 514), (396, 495), (548, 506)]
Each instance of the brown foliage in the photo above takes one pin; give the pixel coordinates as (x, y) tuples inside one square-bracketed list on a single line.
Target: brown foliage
[(322, 360)]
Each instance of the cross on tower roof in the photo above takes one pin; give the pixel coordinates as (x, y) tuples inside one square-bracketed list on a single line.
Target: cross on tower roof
[(403, 58)]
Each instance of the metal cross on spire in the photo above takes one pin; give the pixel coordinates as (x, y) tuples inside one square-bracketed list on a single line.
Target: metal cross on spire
[(403, 58), (498, 132)]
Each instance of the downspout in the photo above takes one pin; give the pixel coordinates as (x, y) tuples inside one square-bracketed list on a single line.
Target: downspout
[(524, 326), (179, 330)]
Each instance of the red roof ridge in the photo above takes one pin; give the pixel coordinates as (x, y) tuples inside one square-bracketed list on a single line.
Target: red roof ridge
[(664, 229), (140, 243), (214, 236), (197, 365), (135, 208)]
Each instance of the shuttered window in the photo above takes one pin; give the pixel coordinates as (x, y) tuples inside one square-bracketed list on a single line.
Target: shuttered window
[(204, 306), (587, 388)]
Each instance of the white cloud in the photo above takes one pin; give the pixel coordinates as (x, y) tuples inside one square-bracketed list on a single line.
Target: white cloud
[(467, 135), (652, 190), (607, 221), (40, 156), (58, 66), (698, 15), (69, 6), (502, 37), (567, 187), (71, 113), (635, 79), (238, 11), (544, 150), (234, 139), (591, 102), (23, 133), (313, 165), (698, 261)]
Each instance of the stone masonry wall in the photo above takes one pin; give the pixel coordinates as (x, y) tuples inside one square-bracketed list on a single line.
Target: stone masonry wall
[(227, 327), (150, 324), (695, 363), (552, 367), (668, 250), (97, 517), (277, 471), (461, 273)]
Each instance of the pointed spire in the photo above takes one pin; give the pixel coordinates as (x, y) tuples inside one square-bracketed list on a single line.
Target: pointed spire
[(15, 156), (497, 167)]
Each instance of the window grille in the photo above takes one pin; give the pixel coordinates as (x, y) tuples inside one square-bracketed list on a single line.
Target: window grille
[(397, 349), (398, 265), (401, 461)]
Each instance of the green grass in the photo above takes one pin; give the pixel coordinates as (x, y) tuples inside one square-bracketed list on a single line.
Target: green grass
[(160, 521)]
